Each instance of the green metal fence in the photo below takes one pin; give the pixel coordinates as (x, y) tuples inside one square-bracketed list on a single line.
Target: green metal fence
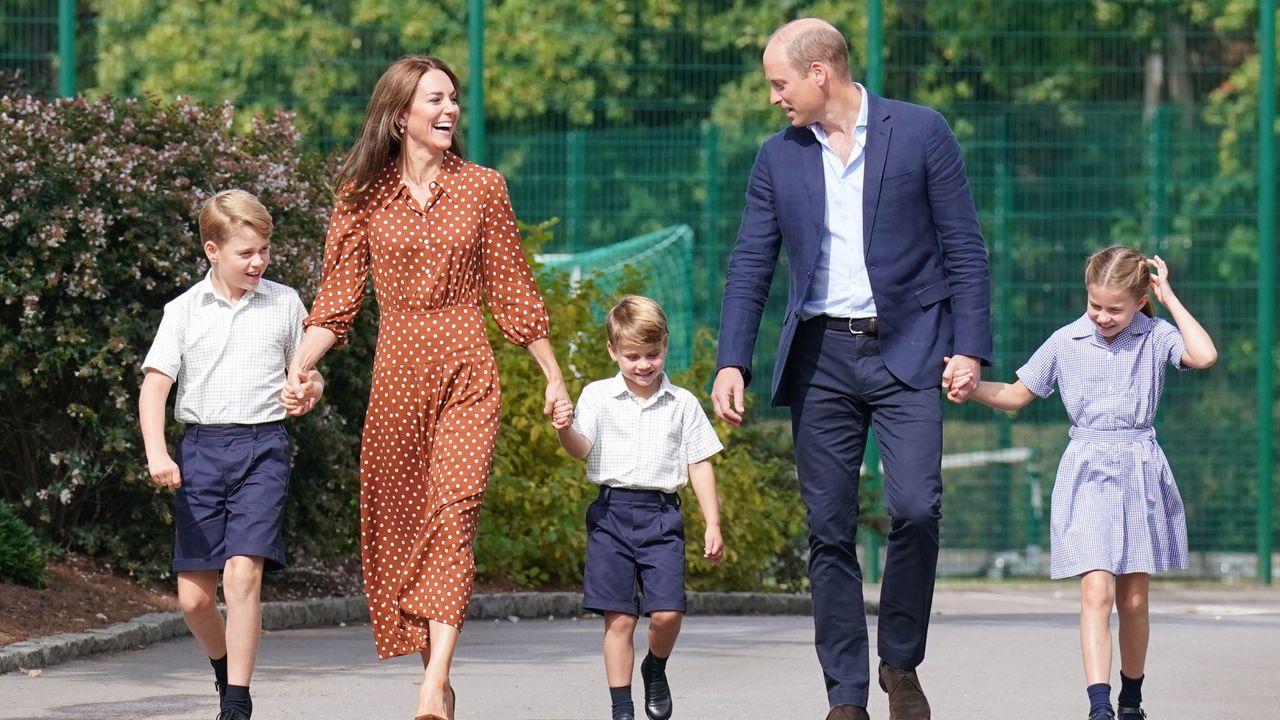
[(1084, 123)]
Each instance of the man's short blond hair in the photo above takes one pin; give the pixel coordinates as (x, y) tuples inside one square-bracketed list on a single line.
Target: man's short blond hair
[(230, 210), (810, 40), (636, 319)]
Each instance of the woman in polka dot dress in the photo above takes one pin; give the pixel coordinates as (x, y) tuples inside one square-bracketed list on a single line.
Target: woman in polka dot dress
[(437, 232)]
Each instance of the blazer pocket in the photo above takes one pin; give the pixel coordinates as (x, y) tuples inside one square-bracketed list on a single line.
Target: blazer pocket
[(933, 292), (900, 176)]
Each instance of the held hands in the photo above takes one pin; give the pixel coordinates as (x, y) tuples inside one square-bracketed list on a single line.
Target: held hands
[(961, 377), (301, 392), (726, 395), (556, 394), (713, 547), (562, 414), (164, 471)]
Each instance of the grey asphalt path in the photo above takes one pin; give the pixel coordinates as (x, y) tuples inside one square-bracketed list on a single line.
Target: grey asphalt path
[(994, 652)]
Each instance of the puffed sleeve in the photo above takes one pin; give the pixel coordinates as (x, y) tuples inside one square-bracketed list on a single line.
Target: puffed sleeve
[(509, 288), (1041, 371), (1170, 343), (346, 270)]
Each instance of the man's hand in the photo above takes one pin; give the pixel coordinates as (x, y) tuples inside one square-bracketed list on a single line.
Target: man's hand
[(727, 395), (961, 377)]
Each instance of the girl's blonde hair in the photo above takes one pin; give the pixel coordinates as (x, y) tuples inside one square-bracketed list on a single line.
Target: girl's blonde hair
[(230, 210), (636, 319), (1121, 268), (380, 138)]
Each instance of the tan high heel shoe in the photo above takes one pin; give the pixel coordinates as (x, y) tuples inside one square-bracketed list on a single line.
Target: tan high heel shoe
[(452, 701)]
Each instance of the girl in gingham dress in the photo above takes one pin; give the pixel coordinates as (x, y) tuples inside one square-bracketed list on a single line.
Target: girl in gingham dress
[(438, 234), (1116, 513)]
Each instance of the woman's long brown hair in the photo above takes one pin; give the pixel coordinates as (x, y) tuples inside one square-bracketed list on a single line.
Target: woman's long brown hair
[(380, 137)]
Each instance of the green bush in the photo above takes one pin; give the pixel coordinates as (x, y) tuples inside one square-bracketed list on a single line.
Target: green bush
[(21, 560), (98, 203), (532, 533)]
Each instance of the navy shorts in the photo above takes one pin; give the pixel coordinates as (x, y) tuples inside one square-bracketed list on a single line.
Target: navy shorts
[(635, 548), (235, 479)]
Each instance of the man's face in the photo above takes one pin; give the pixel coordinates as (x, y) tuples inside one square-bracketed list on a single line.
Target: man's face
[(796, 92)]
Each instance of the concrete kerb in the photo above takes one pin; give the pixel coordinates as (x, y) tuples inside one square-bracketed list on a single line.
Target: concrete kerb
[(156, 627)]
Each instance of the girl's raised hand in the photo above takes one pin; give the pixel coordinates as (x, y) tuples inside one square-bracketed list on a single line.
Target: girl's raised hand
[(1159, 278)]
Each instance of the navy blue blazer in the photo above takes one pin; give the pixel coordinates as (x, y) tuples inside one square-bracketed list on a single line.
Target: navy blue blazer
[(922, 243)]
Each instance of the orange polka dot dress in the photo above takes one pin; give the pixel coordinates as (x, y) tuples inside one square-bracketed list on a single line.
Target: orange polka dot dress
[(435, 402)]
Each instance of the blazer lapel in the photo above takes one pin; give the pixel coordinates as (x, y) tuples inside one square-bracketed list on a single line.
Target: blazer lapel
[(815, 182), (879, 132)]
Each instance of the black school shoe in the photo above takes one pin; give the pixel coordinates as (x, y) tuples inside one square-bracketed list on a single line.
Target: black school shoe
[(226, 713), (1132, 713), (1102, 713), (657, 694)]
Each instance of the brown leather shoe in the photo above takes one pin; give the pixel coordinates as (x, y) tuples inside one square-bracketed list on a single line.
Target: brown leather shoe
[(848, 712), (906, 697)]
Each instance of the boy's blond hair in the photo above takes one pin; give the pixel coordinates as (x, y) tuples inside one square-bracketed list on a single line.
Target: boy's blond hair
[(230, 210), (636, 319)]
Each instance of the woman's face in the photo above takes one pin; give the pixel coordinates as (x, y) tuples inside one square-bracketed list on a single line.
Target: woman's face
[(432, 117)]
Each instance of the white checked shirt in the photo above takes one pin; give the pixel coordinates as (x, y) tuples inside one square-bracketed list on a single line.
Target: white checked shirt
[(643, 444), (229, 360)]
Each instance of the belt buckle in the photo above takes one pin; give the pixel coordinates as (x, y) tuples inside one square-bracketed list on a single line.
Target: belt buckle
[(855, 332)]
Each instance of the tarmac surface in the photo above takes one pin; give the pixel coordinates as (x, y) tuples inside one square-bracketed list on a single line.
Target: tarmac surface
[(995, 651)]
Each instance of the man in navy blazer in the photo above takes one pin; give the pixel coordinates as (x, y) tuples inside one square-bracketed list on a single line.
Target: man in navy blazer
[(889, 297)]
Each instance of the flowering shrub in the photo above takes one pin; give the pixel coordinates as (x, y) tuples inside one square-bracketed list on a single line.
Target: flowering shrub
[(98, 204)]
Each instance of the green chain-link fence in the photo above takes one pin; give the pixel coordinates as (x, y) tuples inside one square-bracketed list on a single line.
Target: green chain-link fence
[(1084, 123)]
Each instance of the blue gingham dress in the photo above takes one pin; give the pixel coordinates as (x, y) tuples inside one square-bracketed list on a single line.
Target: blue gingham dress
[(1115, 505)]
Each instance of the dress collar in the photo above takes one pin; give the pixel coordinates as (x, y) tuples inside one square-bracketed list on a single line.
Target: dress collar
[(390, 183)]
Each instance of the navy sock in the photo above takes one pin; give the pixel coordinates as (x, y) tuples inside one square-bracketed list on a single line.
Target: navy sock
[(1099, 696), (621, 699), (238, 699), (220, 670), (1131, 690)]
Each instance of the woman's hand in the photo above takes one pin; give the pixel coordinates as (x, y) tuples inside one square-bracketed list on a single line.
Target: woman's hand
[(557, 395), (562, 415)]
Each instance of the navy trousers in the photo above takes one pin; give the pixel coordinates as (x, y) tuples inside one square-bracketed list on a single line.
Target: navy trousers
[(838, 387)]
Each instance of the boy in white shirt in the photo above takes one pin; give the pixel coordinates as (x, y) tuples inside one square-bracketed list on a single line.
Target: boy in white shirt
[(643, 439), (227, 342)]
